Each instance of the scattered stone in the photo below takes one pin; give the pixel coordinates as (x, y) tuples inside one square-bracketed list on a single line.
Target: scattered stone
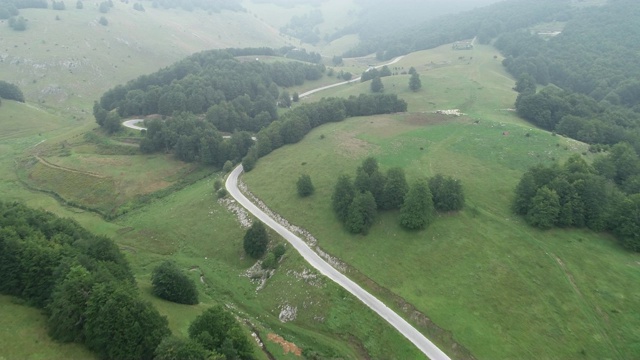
[(288, 313)]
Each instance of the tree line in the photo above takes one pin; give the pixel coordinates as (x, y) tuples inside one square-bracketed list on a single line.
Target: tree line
[(596, 92), (192, 139), (602, 197), (486, 23), (236, 95), (88, 293), (299, 121), (357, 202)]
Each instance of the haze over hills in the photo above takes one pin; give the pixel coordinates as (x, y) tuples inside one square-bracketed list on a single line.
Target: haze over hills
[(523, 114)]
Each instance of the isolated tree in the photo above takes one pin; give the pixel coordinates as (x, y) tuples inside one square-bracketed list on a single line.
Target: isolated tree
[(447, 193), (18, 24), (256, 240), (343, 195), (412, 71), (362, 213), (295, 97), (376, 85), (545, 207), (79, 4), (395, 189), (104, 7), (173, 348), (417, 211), (171, 284), (215, 327), (103, 21), (414, 82), (305, 186), (385, 71)]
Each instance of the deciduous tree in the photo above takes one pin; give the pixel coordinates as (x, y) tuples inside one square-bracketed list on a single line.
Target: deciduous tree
[(256, 240), (171, 284)]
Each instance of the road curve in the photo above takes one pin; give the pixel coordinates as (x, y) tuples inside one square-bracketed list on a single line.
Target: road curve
[(349, 81), (132, 124), (413, 335)]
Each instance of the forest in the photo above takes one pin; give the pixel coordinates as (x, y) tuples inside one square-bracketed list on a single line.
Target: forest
[(213, 92), (210, 79), (595, 91), (486, 23), (87, 291)]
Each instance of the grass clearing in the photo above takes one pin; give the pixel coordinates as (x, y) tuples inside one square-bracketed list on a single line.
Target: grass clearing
[(23, 335)]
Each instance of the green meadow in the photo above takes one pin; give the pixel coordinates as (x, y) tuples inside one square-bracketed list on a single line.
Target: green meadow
[(503, 289), (489, 283)]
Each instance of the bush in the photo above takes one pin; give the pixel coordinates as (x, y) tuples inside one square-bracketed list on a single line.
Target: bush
[(305, 186), (222, 193), (217, 185), (269, 262), (228, 166), (171, 284), (279, 251)]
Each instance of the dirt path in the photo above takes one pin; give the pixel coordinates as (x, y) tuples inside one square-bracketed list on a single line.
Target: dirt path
[(58, 167)]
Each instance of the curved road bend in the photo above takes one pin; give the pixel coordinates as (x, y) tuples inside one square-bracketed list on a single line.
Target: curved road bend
[(349, 81), (133, 123), (413, 335)]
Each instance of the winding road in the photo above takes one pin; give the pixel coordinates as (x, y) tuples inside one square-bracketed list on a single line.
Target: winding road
[(395, 320), (406, 329), (133, 123)]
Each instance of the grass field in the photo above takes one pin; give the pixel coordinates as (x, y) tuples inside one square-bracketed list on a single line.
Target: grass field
[(23, 336), (191, 228), (504, 290)]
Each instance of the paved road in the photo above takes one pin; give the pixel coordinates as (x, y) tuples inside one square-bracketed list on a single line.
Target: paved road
[(132, 124), (419, 340), (347, 82)]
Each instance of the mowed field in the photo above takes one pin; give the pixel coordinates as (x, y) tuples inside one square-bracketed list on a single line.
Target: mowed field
[(504, 289)]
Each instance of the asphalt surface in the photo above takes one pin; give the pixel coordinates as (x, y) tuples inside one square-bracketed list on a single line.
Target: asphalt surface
[(304, 94), (413, 335)]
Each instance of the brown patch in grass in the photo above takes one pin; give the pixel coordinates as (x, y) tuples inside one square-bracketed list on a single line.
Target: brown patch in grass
[(351, 147), (288, 347)]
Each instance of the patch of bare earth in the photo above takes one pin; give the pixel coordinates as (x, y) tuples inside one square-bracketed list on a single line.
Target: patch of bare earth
[(351, 147), (288, 347)]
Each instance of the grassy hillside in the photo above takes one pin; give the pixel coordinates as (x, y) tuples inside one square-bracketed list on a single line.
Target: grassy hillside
[(504, 290), (66, 64), (23, 335), (190, 227)]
